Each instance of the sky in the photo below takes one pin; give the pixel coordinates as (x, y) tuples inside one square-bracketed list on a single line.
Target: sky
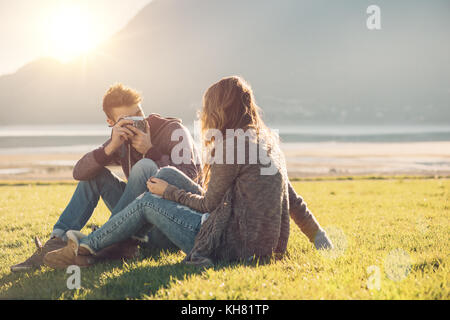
[(30, 29)]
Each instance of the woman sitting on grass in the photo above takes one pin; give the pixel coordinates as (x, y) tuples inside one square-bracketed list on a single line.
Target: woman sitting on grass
[(245, 209)]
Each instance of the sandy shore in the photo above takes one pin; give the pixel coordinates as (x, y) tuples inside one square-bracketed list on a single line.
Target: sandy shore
[(303, 160), (328, 158)]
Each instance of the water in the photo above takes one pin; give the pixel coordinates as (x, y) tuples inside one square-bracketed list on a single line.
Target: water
[(364, 133), (52, 138), (82, 138)]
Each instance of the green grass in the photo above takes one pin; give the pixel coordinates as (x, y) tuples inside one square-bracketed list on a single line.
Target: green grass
[(371, 221)]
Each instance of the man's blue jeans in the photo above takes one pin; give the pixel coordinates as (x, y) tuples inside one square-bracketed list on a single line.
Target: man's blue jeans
[(116, 195), (177, 222)]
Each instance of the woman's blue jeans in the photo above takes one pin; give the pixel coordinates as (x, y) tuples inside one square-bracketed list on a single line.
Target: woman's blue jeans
[(116, 195), (180, 224)]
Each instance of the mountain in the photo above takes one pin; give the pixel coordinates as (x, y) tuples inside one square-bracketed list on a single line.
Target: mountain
[(307, 61)]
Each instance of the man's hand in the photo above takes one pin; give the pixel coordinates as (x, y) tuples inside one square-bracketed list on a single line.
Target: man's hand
[(156, 186), (141, 141), (120, 134)]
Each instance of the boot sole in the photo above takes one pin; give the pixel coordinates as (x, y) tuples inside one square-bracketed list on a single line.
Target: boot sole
[(23, 269)]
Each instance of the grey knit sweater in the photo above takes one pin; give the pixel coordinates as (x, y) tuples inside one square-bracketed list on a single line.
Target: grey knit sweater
[(249, 211)]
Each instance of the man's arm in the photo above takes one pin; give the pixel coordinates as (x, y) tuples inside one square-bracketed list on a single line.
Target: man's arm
[(93, 162)]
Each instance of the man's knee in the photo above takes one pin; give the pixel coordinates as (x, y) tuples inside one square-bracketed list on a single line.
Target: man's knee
[(144, 168), (98, 181)]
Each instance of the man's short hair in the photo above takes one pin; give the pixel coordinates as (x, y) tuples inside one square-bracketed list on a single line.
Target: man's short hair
[(119, 95)]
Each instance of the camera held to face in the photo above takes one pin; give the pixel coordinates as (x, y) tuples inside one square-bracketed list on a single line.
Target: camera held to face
[(138, 122)]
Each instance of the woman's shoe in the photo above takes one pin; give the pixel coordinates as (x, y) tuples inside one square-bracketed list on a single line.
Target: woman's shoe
[(199, 261), (127, 249), (71, 254)]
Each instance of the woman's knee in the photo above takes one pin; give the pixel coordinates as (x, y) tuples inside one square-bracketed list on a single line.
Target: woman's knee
[(179, 179), (168, 174)]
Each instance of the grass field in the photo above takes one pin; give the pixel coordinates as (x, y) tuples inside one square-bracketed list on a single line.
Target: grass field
[(392, 238)]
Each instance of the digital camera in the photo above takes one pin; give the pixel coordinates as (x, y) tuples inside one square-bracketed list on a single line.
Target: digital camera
[(138, 122)]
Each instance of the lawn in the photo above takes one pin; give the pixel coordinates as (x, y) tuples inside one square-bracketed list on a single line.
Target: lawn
[(391, 235)]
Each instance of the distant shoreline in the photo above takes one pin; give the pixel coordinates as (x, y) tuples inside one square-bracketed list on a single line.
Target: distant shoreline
[(304, 160), (81, 138)]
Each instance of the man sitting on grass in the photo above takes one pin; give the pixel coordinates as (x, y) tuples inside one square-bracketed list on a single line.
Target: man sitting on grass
[(140, 154)]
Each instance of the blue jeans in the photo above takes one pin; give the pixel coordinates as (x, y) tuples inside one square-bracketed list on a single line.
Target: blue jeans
[(180, 224), (116, 195)]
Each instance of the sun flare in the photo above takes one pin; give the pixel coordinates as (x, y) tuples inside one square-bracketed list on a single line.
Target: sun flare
[(70, 33)]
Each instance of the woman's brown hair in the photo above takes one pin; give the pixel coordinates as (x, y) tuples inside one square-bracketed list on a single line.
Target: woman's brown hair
[(230, 104)]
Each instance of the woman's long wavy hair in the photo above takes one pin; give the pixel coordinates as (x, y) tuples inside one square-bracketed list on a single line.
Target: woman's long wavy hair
[(230, 104)]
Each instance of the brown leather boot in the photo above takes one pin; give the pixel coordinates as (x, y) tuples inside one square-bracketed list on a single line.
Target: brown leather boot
[(37, 258), (72, 254), (127, 249)]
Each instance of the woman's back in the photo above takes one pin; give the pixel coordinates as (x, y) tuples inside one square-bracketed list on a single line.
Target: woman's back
[(248, 203), (262, 200)]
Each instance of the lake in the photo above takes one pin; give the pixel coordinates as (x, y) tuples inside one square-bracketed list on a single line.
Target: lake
[(82, 138)]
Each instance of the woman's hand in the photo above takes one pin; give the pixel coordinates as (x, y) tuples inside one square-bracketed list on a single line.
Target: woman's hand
[(156, 186)]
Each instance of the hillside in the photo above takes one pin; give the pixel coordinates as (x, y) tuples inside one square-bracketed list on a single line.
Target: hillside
[(308, 61)]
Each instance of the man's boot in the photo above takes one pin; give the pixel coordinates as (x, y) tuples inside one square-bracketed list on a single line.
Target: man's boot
[(37, 258)]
